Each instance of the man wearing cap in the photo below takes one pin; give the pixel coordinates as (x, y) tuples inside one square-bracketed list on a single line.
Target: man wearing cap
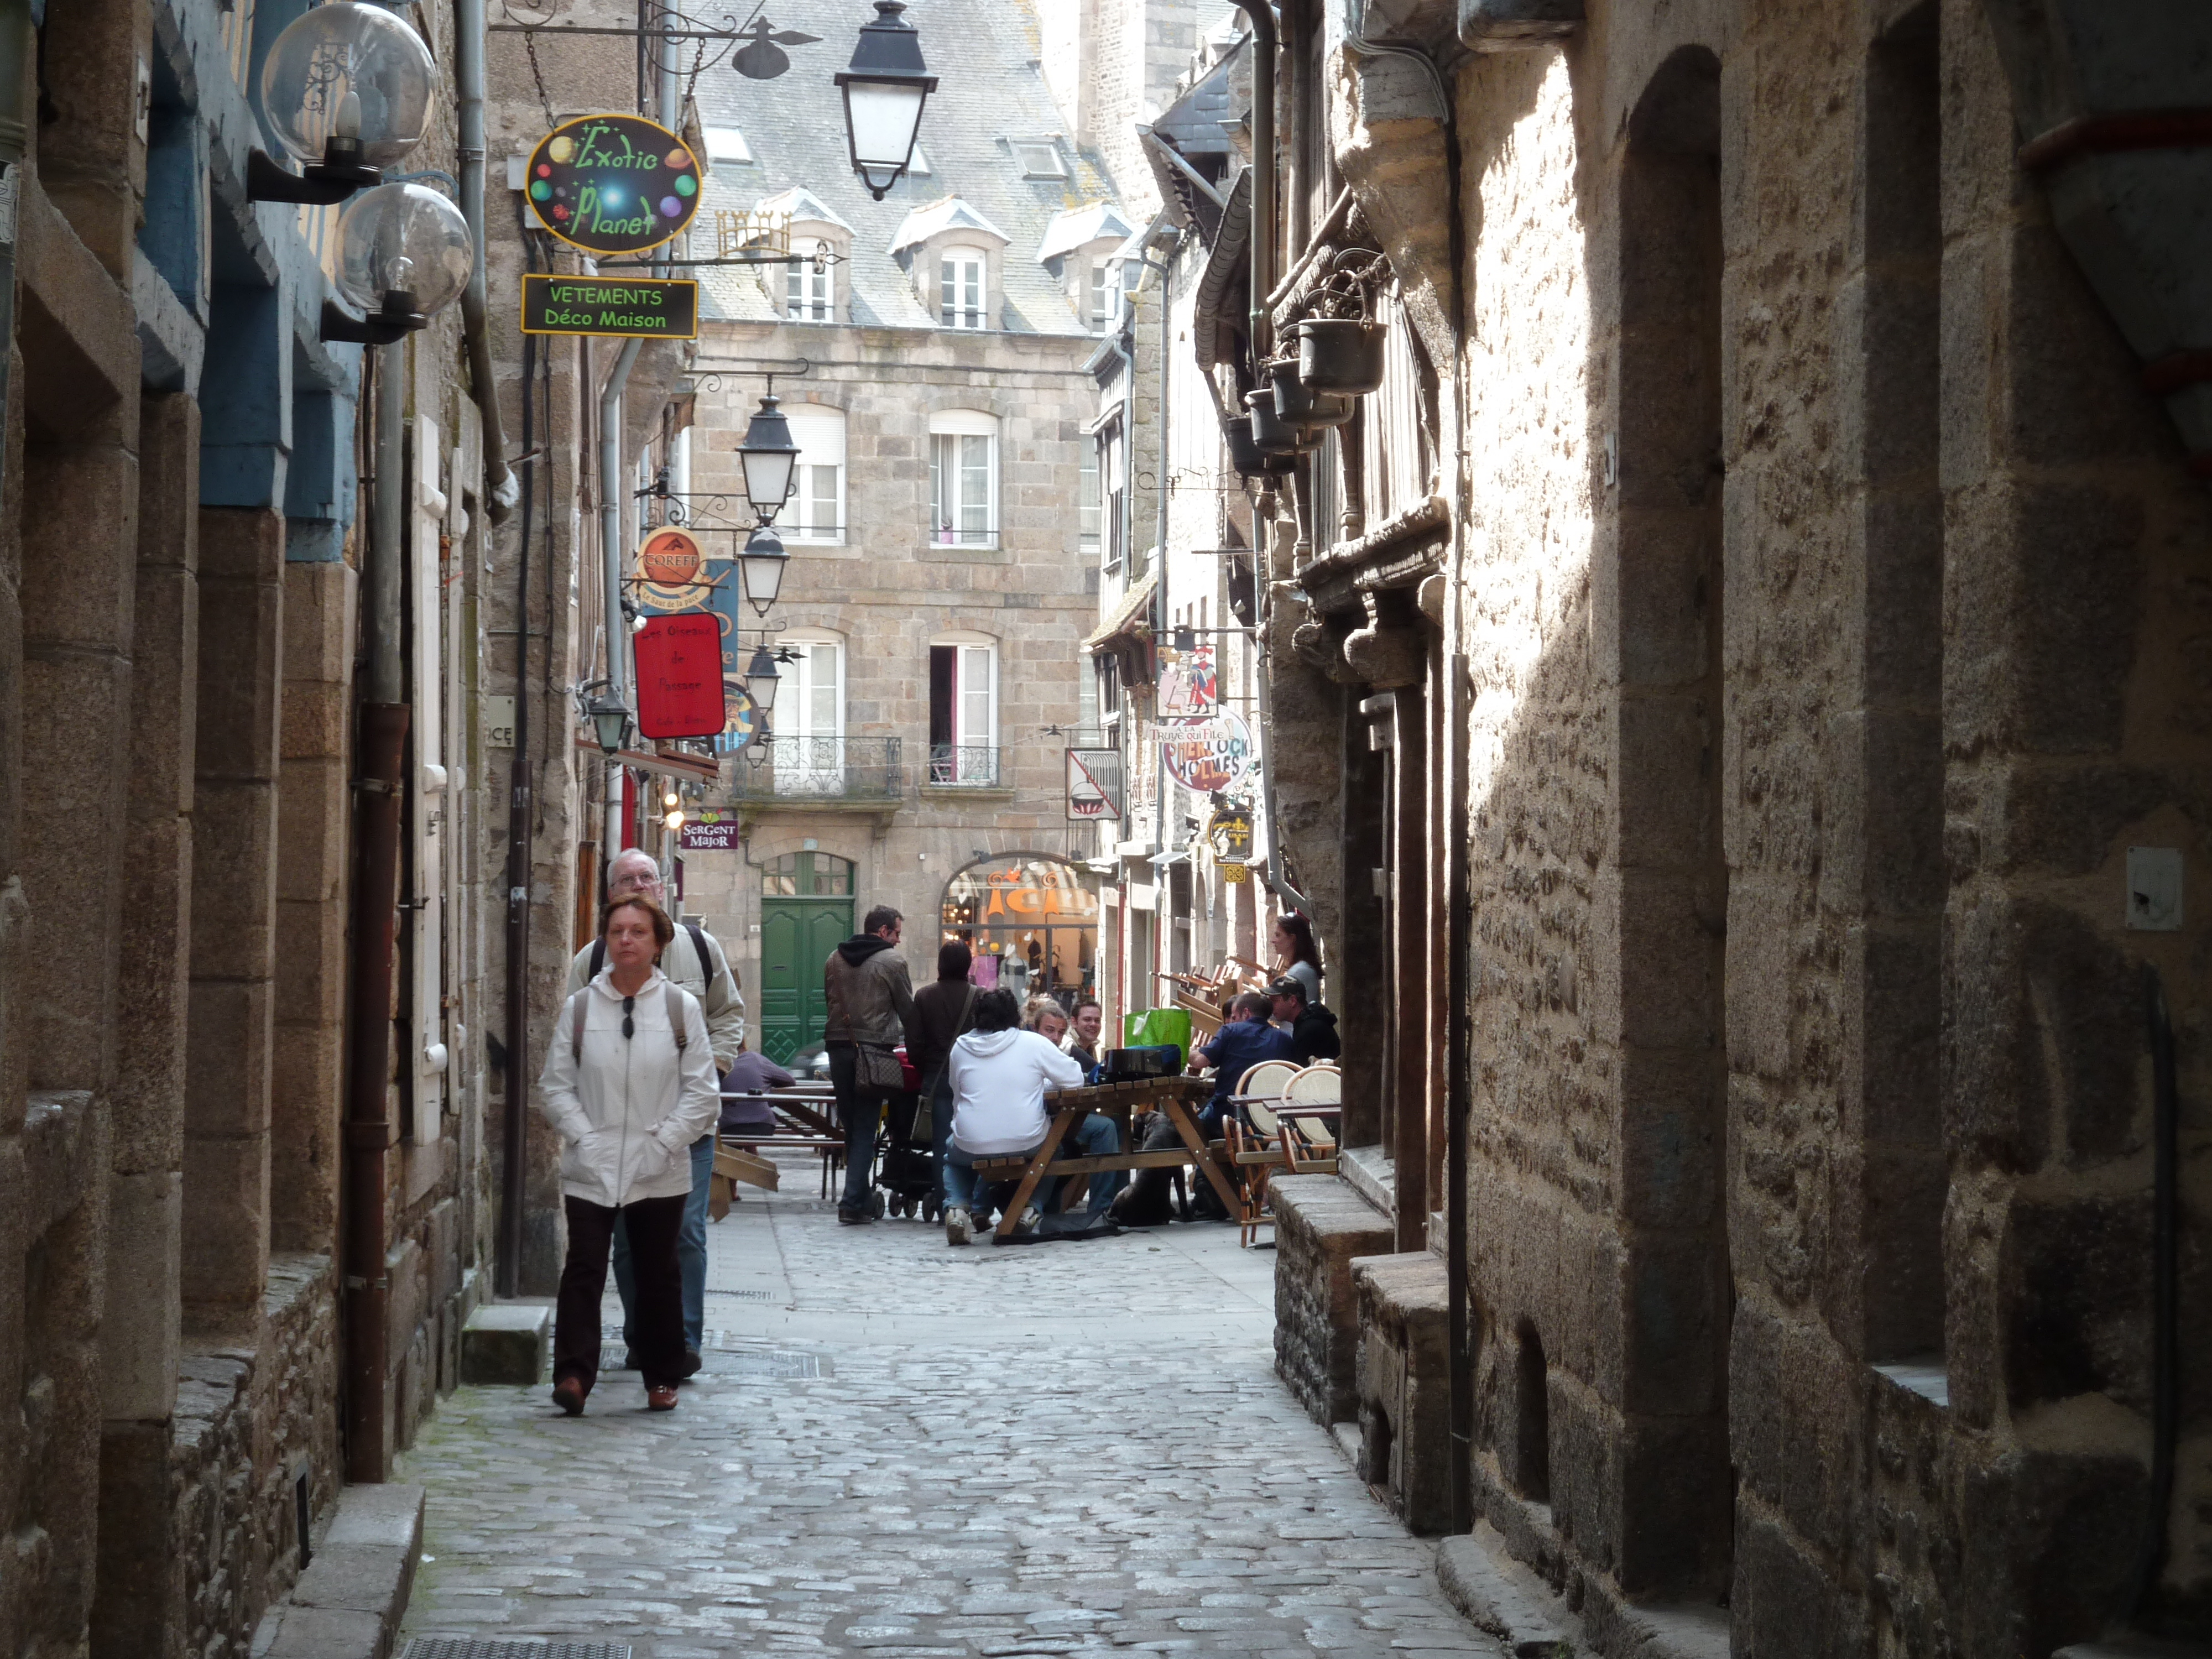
[(1312, 1028)]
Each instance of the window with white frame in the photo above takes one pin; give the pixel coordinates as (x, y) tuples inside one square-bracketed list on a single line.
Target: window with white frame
[(964, 712), (1086, 499), (963, 478), (963, 282), (807, 716), (1105, 295), (815, 511), (1114, 529), (1039, 159), (810, 292)]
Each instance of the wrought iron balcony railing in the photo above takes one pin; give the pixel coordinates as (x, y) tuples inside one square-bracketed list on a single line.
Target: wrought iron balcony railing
[(796, 769), (970, 766)]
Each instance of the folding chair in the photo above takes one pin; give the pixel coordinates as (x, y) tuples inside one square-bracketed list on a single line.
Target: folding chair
[(1252, 1151), (1306, 1120)]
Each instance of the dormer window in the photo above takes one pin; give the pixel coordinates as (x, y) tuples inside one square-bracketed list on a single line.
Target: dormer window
[(1039, 159), (917, 165), (1105, 295), (809, 293), (963, 282)]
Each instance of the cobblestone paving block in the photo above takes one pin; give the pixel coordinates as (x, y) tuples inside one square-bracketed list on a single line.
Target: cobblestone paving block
[(1028, 1453)]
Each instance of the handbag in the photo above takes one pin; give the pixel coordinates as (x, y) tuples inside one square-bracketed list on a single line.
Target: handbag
[(878, 1068)]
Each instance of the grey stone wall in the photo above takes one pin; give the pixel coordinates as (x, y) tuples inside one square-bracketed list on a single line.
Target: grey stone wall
[(1320, 1227)]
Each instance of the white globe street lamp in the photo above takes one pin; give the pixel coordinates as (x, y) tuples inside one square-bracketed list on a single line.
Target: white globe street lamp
[(347, 88), (404, 253)]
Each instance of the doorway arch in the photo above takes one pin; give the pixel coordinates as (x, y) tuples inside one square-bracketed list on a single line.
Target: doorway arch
[(1030, 921)]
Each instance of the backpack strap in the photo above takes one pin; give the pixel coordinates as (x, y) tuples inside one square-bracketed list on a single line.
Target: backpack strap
[(676, 1021), (705, 963), (599, 957), (576, 1028)]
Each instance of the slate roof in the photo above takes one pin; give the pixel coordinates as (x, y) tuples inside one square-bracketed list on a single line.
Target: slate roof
[(990, 93)]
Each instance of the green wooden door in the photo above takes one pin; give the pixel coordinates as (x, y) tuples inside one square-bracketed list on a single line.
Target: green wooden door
[(806, 911)]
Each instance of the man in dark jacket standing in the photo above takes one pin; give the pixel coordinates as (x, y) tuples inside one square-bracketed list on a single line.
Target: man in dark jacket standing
[(870, 1002), (1313, 1028)]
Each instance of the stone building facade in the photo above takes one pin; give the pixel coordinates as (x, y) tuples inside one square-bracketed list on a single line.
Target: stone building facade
[(239, 1226), (942, 569), (1734, 686)]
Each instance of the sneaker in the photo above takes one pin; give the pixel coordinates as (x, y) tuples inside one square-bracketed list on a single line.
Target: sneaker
[(569, 1395), (958, 1229), (662, 1399), (854, 1217), (1031, 1218)]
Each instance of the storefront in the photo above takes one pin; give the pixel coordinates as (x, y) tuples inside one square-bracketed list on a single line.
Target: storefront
[(1030, 923)]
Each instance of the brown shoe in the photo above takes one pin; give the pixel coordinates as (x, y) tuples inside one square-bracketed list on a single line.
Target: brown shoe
[(569, 1395), (661, 1398)]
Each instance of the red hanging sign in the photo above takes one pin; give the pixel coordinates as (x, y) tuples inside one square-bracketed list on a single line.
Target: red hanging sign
[(679, 677)]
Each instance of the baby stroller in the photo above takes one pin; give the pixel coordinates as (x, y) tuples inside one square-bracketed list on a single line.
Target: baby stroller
[(906, 1163)]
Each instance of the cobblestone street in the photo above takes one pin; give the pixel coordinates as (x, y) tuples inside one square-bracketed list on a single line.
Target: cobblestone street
[(898, 1449)]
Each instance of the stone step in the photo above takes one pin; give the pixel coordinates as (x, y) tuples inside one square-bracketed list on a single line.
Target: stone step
[(349, 1603), (1501, 1597), (507, 1342)]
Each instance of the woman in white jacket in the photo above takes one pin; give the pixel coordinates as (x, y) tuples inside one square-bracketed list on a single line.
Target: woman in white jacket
[(999, 1078), (629, 1084)]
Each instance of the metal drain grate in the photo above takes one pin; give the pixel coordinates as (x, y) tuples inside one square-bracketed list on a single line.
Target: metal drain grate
[(465, 1647)]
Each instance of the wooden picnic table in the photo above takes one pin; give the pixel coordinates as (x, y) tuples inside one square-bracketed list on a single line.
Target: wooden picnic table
[(1178, 1097)]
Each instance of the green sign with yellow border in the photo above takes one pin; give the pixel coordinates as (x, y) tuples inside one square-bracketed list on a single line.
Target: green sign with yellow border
[(644, 305)]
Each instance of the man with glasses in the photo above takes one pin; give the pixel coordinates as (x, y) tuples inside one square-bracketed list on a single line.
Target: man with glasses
[(696, 961)]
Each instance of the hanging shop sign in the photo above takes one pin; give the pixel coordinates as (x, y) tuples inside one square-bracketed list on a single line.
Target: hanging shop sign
[(653, 309), (713, 588), (741, 721), (1188, 686), (1206, 755), (1229, 833), (613, 184), (671, 557), (712, 832), (1094, 786), (679, 677)]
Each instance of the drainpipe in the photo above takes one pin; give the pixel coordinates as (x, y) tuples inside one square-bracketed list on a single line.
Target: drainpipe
[(1263, 171), (500, 488), (16, 50), (613, 496), (381, 787)]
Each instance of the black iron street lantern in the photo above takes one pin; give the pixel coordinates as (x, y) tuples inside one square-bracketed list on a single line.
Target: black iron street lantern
[(885, 87), (761, 565), (761, 677), (767, 456), (610, 718)]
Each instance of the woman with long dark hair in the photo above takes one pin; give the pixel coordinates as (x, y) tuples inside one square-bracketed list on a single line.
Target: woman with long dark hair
[(1297, 956)]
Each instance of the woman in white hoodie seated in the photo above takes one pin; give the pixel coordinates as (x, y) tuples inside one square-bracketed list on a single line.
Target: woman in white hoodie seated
[(999, 1076)]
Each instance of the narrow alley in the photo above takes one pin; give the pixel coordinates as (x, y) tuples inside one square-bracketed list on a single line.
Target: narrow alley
[(917, 1453)]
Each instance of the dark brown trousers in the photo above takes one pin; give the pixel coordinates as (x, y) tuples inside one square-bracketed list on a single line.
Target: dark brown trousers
[(652, 1225)]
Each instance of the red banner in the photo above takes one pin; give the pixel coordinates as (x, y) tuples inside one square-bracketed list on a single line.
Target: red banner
[(679, 677)]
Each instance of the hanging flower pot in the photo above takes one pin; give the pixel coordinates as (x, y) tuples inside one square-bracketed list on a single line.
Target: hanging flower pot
[(1274, 434), (1244, 454), (1340, 354), (1295, 401)]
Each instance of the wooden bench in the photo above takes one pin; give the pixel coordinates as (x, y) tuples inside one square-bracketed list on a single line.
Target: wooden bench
[(1178, 1097)]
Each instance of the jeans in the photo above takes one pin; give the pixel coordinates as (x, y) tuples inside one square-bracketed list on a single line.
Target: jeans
[(652, 1223), (690, 1254), (940, 1126), (1095, 1137), (862, 1111)]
